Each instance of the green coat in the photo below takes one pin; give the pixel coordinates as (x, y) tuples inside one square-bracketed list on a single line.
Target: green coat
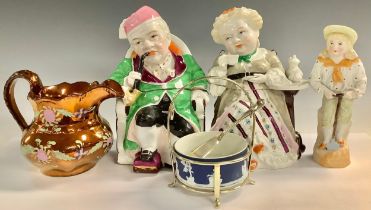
[(152, 93)]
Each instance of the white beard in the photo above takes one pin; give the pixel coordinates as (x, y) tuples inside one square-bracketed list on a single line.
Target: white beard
[(164, 70)]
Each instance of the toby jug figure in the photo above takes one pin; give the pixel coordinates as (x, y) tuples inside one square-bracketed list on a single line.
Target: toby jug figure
[(157, 64)]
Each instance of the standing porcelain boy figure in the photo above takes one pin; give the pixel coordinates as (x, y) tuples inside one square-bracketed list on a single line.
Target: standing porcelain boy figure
[(261, 73), (339, 76), (162, 64)]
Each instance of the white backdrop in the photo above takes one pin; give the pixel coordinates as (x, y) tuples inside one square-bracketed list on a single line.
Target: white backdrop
[(77, 40)]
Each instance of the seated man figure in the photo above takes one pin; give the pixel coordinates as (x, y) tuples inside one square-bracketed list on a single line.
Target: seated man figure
[(162, 64)]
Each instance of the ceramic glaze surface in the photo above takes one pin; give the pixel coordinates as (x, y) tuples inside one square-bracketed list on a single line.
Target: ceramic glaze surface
[(157, 64), (67, 136), (202, 176), (263, 76), (232, 147), (339, 77)]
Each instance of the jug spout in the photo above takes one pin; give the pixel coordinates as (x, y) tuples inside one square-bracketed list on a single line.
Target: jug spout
[(115, 88), (103, 91)]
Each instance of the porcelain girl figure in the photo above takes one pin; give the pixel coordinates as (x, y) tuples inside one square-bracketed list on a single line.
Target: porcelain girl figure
[(263, 77), (168, 66), (339, 76)]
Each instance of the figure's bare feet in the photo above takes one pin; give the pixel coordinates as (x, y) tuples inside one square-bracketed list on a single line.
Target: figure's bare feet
[(341, 143)]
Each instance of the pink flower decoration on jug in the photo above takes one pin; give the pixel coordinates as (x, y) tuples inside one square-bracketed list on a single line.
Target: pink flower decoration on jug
[(41, 155), (109, 140), (49, 115)]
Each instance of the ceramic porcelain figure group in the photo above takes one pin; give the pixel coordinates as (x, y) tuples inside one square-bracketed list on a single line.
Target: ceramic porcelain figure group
[(148, 79), (338, 74)]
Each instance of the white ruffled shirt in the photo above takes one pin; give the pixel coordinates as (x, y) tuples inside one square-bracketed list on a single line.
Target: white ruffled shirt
[(355, 79)]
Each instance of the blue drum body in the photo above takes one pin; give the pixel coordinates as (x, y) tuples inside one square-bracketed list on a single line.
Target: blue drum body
[(231, 154)]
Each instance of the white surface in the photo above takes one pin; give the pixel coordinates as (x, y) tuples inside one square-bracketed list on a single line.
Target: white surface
[(306, 185)]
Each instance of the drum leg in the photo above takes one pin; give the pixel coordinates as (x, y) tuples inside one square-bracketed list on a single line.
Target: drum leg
[(217, 184), (217, 202), (173, 162), (248, 179), (173, 183), (249, 171)]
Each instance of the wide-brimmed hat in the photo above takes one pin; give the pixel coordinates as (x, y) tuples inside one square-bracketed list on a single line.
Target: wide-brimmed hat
[(339, 29)]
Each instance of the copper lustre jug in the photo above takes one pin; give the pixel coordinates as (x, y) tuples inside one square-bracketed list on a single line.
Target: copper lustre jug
[(67, 135)]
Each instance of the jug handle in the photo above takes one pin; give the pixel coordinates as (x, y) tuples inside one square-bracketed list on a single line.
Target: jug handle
[(35, 88)]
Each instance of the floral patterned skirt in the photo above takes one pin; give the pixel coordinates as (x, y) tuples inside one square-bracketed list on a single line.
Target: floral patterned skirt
[(274, 145)]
